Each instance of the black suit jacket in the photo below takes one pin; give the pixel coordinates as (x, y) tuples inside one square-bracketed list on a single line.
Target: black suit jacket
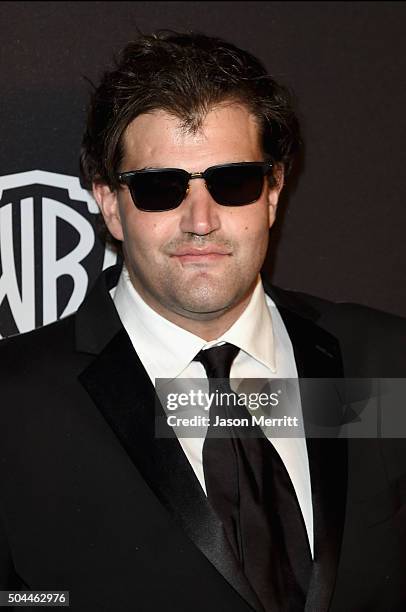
[(93, 503)]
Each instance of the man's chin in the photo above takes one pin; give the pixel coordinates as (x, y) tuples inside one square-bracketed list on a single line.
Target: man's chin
[(206, 306)]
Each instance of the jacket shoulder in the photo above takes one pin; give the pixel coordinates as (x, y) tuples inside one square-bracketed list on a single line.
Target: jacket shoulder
[(372, 341), (329, 313), (30, 352)]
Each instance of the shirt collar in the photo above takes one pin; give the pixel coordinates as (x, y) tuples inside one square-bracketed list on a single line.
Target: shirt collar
[(166, 349), (253, 331)]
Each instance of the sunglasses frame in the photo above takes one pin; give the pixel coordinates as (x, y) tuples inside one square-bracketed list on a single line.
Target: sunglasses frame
[(125, 178)]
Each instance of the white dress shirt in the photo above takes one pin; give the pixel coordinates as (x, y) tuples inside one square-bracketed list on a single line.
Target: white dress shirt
[(266, 352)]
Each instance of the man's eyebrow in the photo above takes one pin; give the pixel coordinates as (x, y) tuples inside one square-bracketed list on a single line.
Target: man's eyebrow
[(152, 168)]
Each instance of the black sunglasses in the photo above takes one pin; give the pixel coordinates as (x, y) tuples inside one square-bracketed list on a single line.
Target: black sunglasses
[(160, 189)]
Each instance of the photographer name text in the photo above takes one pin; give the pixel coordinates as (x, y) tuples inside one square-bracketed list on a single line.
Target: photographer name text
[(204, 421)]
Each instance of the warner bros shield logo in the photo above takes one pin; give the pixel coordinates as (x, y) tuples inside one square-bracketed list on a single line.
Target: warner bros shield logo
[(49, 252)]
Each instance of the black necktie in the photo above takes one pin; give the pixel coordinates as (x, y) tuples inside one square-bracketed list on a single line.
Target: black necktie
[(249, 488)]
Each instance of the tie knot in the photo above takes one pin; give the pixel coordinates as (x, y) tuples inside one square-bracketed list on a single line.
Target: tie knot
[(217, 360)]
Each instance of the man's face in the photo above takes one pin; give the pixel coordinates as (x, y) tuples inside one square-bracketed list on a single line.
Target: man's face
[(201, 259)]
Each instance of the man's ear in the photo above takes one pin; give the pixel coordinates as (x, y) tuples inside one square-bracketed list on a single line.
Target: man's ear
[(274, 192), (107, 202)]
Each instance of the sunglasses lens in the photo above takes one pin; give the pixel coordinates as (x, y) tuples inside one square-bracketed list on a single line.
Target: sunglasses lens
[(158, 191), (236, 185)]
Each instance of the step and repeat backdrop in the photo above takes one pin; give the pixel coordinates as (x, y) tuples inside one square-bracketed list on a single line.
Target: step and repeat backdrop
[(342, 221)]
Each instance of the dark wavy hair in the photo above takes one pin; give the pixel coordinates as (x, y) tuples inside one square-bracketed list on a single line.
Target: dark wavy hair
[(184, 74)]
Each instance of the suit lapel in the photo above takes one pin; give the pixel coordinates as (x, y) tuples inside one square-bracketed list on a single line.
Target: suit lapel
[(120, 387), (317, 355)]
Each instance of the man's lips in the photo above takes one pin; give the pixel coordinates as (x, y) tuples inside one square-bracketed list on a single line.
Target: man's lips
[(190, 254)]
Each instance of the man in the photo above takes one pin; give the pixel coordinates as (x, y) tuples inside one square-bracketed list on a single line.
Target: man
[(187, 148)]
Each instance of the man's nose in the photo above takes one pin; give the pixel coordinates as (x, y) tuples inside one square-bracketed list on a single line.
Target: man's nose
[(200, 213)]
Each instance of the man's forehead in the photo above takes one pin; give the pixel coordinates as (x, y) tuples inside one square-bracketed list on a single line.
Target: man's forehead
[(226, 127), (159, 123)]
